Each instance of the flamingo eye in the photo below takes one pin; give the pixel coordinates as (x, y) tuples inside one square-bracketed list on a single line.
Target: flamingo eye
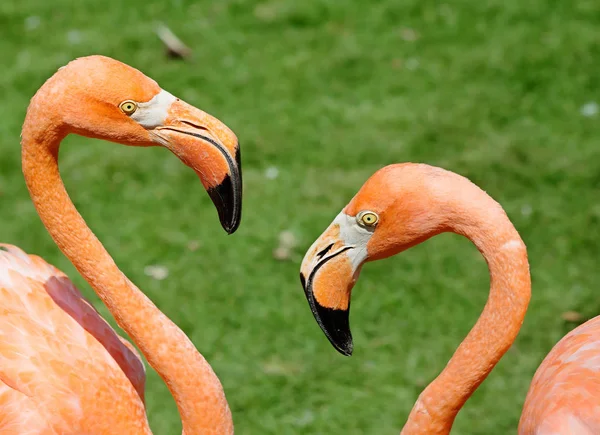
[(128, 107), (367, 218)]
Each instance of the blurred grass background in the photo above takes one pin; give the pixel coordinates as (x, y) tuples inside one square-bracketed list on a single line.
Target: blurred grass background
[(321, 94)]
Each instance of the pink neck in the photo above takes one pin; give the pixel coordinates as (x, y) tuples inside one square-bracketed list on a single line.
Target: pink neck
[(193, 384), (478, 217)]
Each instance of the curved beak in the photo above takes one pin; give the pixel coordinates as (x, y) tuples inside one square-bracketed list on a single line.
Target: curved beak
[(211, 149), (328, 274)]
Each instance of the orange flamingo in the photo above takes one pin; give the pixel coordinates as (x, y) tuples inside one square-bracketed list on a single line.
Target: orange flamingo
[(403, 205), (63, 369)]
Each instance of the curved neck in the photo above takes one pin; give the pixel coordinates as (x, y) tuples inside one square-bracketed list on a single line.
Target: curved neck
[(474, 214), (193, 384)]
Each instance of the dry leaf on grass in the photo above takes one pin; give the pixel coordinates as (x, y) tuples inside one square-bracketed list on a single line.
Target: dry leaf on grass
[(156, 272), (287, 243), (572, 316), (175, 47)]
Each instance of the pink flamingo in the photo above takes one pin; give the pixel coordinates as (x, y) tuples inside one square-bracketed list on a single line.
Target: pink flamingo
[(63, 369), (403, 205)]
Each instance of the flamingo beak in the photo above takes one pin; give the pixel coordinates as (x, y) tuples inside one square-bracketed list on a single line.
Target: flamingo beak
[(328, 274), (209, 147)]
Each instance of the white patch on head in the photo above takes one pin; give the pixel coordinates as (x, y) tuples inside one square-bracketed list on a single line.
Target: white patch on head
[(153, 113), (352, 234)]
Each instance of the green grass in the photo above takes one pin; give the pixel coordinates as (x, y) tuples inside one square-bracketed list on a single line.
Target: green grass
[(329, 91)]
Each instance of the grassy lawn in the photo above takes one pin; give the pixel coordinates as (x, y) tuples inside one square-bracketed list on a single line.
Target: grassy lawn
[(327, 92)]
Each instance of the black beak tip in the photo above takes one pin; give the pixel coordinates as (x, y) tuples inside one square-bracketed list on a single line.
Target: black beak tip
[(334, 323), (346, 351), (227, 198), (224, 200), (230, 228), (336, 328)]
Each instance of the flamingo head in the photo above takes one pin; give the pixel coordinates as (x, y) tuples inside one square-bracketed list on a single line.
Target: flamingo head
[(394, 210), (100, 97)]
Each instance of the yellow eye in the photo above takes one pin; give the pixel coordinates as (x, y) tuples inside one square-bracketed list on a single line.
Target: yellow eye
[(368, 218), (128, 107)]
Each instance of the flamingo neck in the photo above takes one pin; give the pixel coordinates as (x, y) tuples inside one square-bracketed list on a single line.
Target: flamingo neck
[(195, 387), (475, 215)]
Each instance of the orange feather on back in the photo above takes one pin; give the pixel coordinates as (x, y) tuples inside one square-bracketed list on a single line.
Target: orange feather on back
[(60, 362), (564, 396)]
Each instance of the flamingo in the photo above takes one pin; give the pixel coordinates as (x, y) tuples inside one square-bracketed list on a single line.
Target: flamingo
[(403, 205), (63, 369)]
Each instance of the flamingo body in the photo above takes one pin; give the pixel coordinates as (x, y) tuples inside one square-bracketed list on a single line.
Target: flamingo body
[(55, 348), (403, 205), (63, 369), (564, 396)]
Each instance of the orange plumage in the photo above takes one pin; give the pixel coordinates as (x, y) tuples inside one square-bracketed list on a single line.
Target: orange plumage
[(63, 369), (60, 362), (411, 203)]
